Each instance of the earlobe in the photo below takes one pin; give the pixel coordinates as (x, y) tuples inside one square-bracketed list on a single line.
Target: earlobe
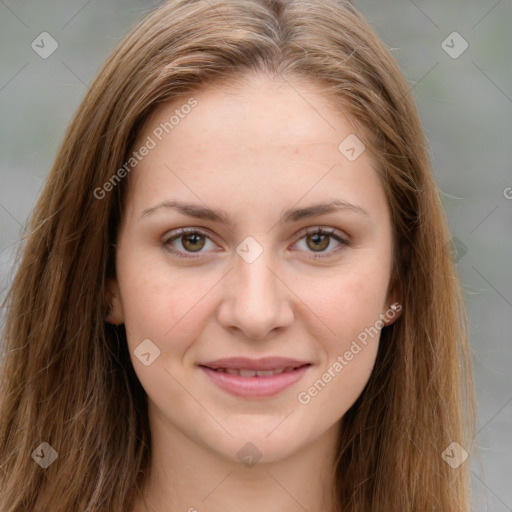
[(394, 299), (392, 313), (114, 314)]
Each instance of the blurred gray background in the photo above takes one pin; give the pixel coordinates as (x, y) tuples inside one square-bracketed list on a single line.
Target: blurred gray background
[(465, 102)]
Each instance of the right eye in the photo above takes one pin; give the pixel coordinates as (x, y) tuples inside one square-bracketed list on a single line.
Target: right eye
[(191, 240)]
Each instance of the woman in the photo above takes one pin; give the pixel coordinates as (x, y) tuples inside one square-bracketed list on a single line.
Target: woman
[(237, 290)]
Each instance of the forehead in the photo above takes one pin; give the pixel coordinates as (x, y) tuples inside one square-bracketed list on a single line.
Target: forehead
[(258, 136), (271, 110)]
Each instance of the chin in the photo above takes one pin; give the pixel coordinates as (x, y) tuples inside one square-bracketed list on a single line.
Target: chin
[(267, 443)]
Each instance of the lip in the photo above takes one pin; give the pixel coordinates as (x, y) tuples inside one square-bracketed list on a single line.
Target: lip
[(257, 386)]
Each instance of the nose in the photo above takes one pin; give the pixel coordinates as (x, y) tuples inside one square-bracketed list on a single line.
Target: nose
[(256, 303)]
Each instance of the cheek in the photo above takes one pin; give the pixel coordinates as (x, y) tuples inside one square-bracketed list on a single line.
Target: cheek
[(349, 306), (346, 302), (162, 305), (333, 392), (352, 310), (165, 308)]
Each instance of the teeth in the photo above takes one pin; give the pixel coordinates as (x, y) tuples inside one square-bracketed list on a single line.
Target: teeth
[(248, 373), (253, 373)]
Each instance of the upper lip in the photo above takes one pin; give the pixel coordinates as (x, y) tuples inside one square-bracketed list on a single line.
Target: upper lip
[(246, 363)]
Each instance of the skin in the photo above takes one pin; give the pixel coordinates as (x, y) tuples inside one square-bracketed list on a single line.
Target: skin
[(253, 150)]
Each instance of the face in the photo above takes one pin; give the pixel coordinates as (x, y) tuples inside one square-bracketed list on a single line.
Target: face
[(261, 275)]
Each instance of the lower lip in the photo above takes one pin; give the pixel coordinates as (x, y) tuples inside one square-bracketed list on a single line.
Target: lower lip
[(255, 387)]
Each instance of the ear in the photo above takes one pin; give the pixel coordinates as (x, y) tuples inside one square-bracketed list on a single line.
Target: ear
[(392, 313), (115, 313), (393, 305)]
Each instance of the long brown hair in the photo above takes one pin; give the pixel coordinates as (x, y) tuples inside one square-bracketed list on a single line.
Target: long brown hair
[(66, 375)]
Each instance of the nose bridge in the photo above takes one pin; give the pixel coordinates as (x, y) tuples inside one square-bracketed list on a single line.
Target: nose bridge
[(255, 300), (256, 278), (257, 284)]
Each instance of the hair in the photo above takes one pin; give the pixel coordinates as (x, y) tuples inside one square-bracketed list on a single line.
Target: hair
[(66, 374)]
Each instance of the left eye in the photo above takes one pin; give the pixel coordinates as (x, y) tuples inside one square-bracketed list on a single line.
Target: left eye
[(193, 241), (320, 238)]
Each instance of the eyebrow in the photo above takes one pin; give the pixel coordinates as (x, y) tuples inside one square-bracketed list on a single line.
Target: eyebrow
[(291, 215)]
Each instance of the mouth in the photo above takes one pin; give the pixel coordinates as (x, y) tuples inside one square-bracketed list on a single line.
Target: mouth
[(245, 372), (253, 384)]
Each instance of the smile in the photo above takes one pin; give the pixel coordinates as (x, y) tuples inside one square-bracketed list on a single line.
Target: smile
[(254, 373), (249, 383)]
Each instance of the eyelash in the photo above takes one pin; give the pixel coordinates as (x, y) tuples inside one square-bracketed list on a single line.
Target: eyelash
[(308, 231)]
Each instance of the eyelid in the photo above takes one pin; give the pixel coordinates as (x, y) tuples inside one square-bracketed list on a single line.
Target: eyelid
[(334, 233)]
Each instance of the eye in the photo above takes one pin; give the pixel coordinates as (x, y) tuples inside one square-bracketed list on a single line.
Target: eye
[(194, 240), (319, 239)]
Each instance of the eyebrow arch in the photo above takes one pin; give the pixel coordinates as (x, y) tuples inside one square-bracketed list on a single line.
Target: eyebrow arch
[(291, 215)]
